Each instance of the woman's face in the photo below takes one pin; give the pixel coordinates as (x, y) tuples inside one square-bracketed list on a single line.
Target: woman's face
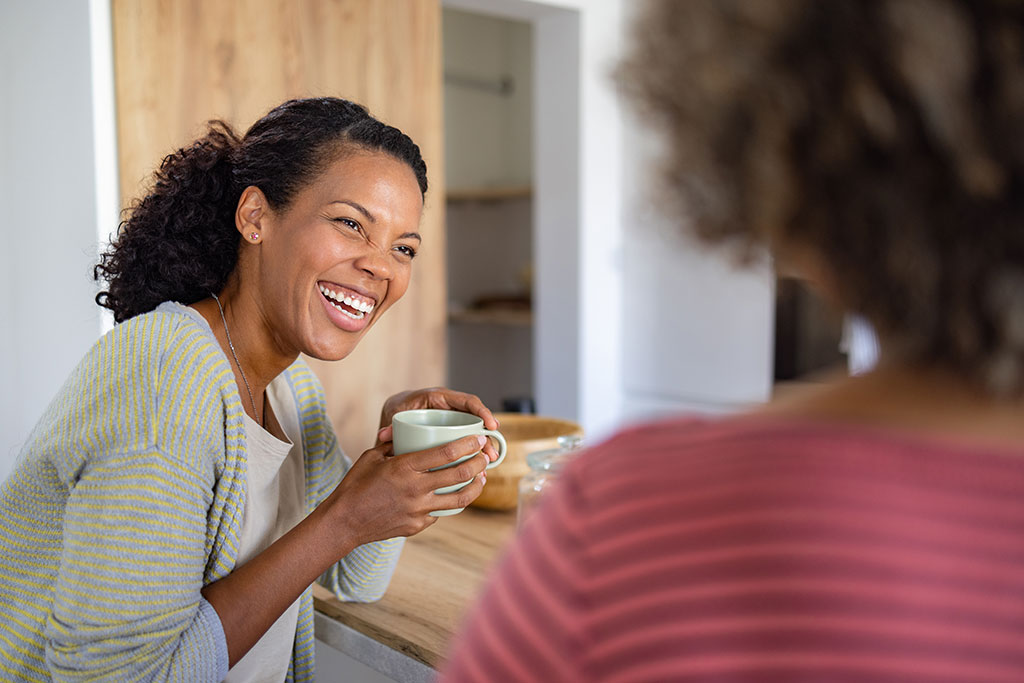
[(340, 255)]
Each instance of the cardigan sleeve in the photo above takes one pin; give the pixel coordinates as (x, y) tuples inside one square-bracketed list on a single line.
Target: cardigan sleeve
[(364, 574), (127, 602), (139, 452)]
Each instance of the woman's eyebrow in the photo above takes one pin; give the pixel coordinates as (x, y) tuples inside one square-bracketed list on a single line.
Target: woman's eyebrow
[(357, 207), (410, 235)]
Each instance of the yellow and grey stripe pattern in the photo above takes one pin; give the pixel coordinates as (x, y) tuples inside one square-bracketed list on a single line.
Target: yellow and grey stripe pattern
[(128, 499)]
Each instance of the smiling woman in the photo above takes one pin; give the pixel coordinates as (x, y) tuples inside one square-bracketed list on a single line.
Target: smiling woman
[(184, 489), (341, 254)]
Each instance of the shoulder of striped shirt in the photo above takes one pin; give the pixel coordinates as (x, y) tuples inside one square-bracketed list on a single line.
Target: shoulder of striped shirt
[(689, 432), (636, 441), (657, 451)]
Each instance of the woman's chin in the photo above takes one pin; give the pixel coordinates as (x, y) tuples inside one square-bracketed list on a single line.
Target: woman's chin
[(331, 348), (329, 353)]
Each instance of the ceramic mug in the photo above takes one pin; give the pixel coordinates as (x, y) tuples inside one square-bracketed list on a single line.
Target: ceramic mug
[(417, 430)]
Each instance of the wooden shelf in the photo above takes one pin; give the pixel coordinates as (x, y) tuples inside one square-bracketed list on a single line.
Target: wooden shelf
[(492, 316), (489, 194)]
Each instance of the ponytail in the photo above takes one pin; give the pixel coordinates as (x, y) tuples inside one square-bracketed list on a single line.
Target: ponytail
[(179, 242)]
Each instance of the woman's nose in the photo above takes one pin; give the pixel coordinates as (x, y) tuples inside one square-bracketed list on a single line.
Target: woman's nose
[(375, 262)]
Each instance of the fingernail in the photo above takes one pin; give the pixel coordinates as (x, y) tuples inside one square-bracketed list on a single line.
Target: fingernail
[(483, 476), (481, 440)]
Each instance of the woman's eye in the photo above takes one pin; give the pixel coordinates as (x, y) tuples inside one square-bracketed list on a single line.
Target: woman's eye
[(348, 222), (407, 250)]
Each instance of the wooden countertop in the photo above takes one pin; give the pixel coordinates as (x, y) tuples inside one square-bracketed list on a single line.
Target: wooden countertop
[(438, 576)]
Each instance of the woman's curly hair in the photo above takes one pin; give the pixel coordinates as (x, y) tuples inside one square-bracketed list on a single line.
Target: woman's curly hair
[(884, 135), (179, 242)]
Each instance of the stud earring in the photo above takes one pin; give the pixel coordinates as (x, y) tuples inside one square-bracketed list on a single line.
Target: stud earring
[(254, 236)]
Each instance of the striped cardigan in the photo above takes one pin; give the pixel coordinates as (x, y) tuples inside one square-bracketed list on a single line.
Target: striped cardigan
[(128, 498)]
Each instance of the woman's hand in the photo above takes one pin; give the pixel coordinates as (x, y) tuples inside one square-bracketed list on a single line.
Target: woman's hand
[(384, 496), (441, 398)]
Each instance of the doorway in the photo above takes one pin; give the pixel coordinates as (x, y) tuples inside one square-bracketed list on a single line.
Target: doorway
[(488, 105)]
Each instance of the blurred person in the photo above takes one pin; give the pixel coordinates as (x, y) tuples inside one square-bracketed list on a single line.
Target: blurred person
[(872, 529), (175, 502)]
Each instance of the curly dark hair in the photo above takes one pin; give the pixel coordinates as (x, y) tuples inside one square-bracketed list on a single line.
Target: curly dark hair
[(179, 242), (885, 136)]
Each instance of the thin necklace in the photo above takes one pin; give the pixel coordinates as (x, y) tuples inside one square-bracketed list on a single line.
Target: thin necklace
[(231, 346)]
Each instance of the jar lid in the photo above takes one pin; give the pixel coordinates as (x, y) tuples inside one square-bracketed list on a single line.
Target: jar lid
[(554, 459)]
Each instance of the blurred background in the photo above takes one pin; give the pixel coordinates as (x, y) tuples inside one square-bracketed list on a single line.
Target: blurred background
[(548, 282)]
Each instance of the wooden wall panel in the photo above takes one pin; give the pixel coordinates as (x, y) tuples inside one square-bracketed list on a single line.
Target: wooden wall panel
[(179, 63)]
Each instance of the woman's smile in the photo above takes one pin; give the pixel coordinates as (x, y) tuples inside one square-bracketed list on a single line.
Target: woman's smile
[(340, 255), (347, 308)]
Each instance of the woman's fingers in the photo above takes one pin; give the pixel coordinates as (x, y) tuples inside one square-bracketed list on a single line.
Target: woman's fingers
[(378, 453), (393, 496), (461, 498), (435, 397), (458, 473), (469, 403), (490, 451), (431, 458)]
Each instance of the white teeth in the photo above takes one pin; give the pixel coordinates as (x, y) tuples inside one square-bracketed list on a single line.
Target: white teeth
[(363, 307), (355, 316)]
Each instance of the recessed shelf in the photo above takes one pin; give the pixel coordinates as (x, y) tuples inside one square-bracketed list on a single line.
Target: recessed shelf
[(489, 194), (492, 316)]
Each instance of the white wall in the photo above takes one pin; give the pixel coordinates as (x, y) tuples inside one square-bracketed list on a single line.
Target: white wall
[(699, 336), (48, 204)]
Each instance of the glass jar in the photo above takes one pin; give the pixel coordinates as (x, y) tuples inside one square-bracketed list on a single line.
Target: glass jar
[(544, 469)]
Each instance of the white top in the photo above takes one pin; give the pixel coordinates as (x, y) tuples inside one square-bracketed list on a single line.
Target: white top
[(274, 503)]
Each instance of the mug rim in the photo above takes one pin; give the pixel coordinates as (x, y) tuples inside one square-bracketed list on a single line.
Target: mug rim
[(470, 417)]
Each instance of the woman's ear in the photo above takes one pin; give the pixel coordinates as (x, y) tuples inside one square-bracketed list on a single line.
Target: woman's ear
[(252, 209)]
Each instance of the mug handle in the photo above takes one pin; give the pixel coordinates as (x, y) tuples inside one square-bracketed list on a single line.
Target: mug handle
[(502, 446)]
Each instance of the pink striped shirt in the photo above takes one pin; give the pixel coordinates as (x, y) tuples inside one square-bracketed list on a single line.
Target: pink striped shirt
[(759, 550)]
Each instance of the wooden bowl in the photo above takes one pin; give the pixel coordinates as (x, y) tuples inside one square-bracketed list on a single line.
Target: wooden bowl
[(525, 434)]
